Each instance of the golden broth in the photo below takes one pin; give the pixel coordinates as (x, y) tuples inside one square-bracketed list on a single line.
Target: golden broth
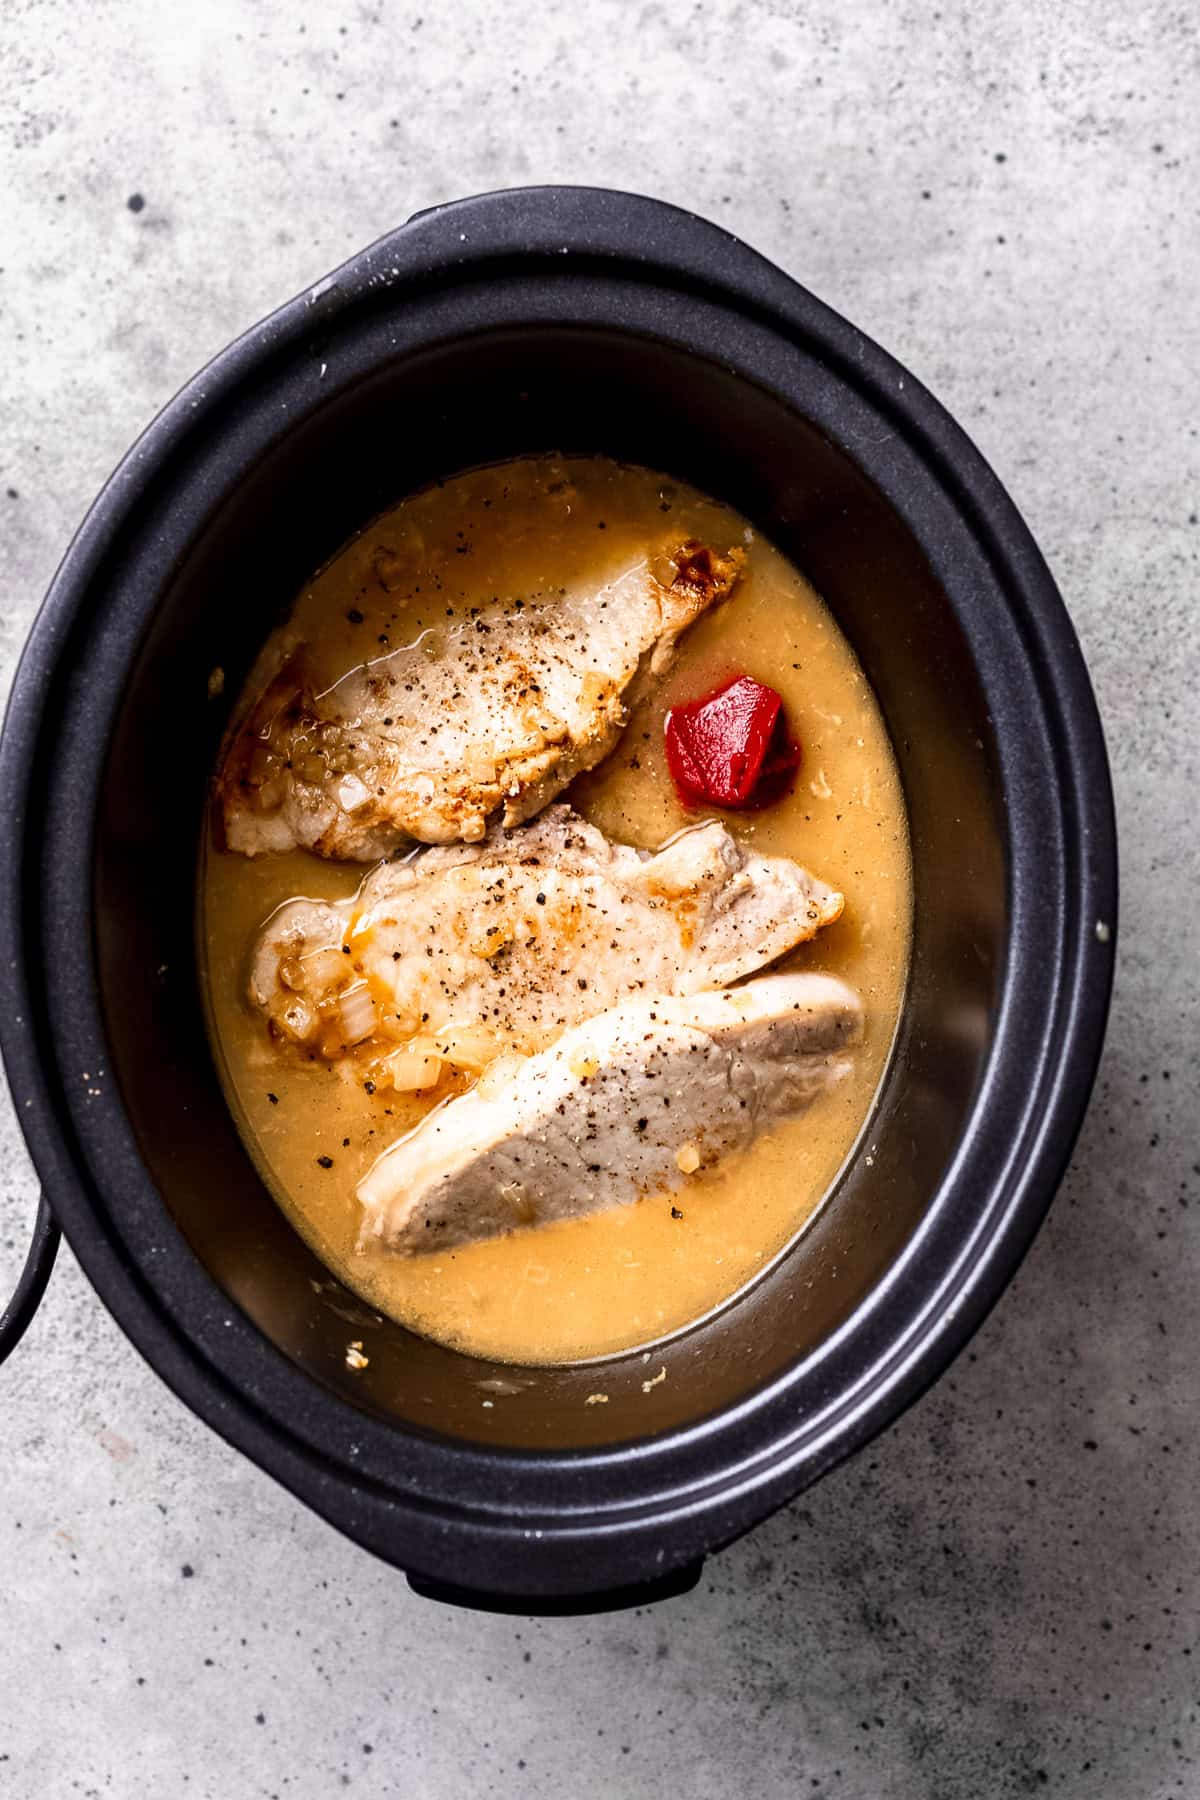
[(587, 1287)]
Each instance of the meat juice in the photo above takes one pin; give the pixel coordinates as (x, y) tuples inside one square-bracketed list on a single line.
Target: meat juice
[(629, 1275)]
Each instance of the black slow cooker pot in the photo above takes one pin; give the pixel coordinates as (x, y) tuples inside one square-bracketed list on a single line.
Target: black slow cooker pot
[(578, 320)]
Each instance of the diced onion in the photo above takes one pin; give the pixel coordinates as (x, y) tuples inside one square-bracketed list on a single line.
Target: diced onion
[(412, 1071), (291, 975), (356, 1013), (469, 1047), (268, 797), (321, 969), (398, 1030), (352, 793), (297, 1020)]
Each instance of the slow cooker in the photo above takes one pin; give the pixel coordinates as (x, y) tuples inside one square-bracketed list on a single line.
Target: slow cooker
[(573, 320)]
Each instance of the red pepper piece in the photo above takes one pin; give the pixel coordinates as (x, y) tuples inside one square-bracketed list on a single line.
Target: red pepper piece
[(732, 747)]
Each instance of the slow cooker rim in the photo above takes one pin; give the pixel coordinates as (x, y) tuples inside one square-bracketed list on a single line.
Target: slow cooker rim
[(1074, 1072)]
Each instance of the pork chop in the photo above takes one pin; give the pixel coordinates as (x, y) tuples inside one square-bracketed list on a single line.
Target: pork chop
[(629, 1103), (521, 936), (491, 713)]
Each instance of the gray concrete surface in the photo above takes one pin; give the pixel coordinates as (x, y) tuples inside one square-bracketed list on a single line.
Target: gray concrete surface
[(1001, 1596)]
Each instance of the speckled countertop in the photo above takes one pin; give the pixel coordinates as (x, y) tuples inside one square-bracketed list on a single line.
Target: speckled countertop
[(1001, 1596)]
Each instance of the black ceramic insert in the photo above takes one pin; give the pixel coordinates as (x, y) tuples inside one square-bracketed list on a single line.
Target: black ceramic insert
[(574, 320)]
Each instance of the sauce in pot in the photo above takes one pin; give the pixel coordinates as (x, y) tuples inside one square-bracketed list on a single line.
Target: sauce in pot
[(586, 1287)]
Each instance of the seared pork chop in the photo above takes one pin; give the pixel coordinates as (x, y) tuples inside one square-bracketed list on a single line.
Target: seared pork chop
[(628, 1103), (491, 713), (520, 937)]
